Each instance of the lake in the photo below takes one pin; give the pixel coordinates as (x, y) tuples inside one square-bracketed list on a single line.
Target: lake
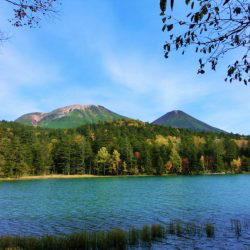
[(40, 207)]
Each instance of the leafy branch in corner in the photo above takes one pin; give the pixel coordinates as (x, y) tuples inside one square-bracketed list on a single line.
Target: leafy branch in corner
[(213, 28), (29, 12)]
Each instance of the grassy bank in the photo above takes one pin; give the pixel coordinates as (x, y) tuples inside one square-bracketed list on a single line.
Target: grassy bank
[(115, 239)]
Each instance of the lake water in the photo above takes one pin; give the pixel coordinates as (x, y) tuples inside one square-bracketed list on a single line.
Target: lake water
[(40, 207)]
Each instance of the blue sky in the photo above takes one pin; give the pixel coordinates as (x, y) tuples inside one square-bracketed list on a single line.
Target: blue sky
[(110, 53)]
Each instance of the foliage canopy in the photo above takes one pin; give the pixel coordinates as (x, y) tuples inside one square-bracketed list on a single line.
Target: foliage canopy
[(29, 12), (212, 28), (123, 147)]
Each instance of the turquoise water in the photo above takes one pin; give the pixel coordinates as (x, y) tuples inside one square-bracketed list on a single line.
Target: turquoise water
[(40, 207)]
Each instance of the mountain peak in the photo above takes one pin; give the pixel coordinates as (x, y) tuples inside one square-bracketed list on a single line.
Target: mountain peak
[(75, 107), (180, 119), (176, 112), (70, 116)]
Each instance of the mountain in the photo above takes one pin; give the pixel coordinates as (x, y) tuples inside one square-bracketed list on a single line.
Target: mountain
[(179, 119), (70, 116)]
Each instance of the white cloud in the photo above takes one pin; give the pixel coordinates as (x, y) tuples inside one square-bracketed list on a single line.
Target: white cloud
[(19, 69), (18, 73), (138, 84), (131, 72), (145, 76), (222, 105), (229, 108)]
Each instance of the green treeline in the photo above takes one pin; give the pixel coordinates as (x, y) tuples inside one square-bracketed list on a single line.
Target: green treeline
[(119, 148)]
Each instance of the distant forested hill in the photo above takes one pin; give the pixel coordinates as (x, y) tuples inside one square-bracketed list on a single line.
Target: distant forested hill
[(122, 147)]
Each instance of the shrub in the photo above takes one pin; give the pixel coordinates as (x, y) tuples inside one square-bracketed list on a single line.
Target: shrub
[(209, 230)]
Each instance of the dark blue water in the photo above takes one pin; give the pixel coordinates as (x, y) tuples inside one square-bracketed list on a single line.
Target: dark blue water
[(42, 207)]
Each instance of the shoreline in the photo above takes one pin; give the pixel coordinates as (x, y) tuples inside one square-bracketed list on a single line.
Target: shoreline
[(88, 176), (53, 176), (61, 176)]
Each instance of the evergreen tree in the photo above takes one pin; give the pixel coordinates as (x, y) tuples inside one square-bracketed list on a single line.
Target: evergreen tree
[(61, 157), (245, 164), (127, 153), (209, 155), (160, 166), (147, 159), (19, 165), (231, 151), (77, 159), (247, 149), (2, 165), (89, 157), (218, 153), (189, 152)]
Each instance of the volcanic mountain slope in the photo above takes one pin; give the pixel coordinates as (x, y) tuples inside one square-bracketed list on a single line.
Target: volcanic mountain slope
[(70, 117), (179, 119)]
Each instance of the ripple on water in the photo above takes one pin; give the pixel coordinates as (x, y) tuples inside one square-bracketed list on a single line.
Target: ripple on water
[(65, 206)]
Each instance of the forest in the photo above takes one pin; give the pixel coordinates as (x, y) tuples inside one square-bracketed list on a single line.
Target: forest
[(123, 147)]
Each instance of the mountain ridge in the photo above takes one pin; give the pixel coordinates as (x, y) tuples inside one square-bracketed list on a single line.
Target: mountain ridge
[(70, 116), (73, 116)]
